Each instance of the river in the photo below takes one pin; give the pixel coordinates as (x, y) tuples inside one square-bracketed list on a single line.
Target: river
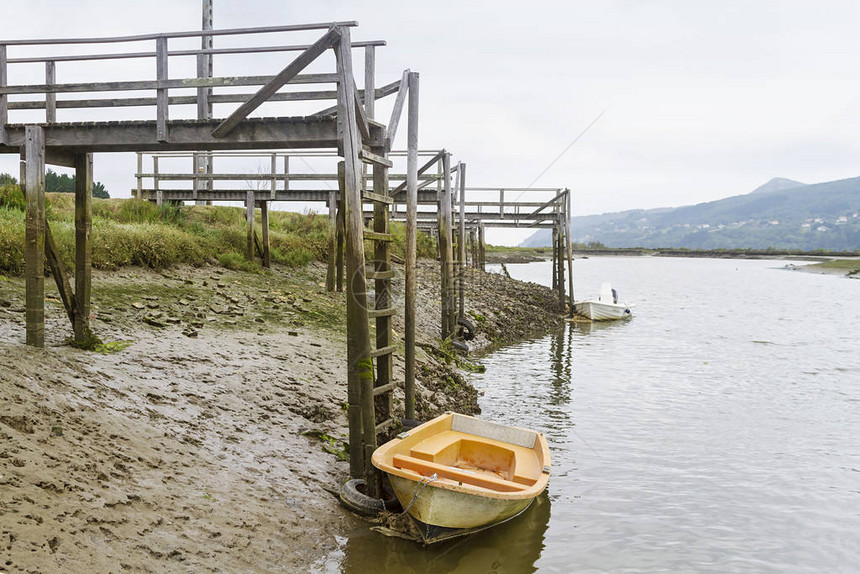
[(716, 431)]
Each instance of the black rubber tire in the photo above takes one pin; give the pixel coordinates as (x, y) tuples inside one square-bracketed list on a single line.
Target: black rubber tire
[(460, 345), (468, 329), (409, 424), (352, 497)]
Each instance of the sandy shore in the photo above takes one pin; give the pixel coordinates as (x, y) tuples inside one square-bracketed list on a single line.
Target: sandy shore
[(189, 450)]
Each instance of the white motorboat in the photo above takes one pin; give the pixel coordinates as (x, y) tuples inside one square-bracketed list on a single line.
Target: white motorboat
[(605, 308)]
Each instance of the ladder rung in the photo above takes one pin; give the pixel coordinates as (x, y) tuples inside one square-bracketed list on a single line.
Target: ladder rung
[(376, 236), (369, 195), (382, 351), (384, 425), (372, 313), (384, 388), (380, 274), (370, 157)]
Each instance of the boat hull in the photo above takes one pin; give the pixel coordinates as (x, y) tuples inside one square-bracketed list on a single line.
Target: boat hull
[(599, 311), (456, 474)]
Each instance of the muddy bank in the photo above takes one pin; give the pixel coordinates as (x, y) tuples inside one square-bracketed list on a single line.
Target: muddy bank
[(213, 441)]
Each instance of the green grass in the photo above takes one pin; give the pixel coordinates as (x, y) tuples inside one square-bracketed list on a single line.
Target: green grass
[(850, 266), (128, 232)]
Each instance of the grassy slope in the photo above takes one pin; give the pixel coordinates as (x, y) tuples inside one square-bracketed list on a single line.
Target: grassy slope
[(133, 232)]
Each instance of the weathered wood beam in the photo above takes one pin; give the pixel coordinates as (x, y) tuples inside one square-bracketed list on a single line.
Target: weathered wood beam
[(360, 365), (264, 222), (191, 135), (137, 85), (288, 73), (411, 241), (378, 93), (50, 99), (34, 264), (397, 111), (249, 225), (4, 103), (420, 171), (83, 244), (162, 107)]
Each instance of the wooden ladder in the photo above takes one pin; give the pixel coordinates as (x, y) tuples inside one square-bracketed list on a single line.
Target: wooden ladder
[(379, 276)]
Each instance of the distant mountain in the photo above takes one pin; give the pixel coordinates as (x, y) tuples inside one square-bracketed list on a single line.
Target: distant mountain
[(777, 184), (781, 214)]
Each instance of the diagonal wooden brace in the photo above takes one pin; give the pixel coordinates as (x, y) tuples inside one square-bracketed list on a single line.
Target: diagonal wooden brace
[(287, 74)]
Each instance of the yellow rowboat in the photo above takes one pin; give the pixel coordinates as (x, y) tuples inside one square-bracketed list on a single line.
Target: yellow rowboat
[(456, 474)]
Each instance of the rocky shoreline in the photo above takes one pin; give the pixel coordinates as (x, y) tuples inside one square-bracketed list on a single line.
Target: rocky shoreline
[(209, 433)]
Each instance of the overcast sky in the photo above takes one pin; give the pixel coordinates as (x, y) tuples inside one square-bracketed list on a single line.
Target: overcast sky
[(706, 99)]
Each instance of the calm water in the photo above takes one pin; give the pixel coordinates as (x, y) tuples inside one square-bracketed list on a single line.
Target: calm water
[(716, 431)]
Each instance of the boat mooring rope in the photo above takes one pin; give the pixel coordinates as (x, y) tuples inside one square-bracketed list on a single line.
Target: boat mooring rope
[(422, 484)]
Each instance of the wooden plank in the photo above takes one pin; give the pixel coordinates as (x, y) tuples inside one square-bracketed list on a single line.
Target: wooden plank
[(568, 250), (387, 274), (34, 249), (185, 135), (412, 83), (374, 313), (386, 388), (369, 96), (382, 351), (361, 118), (291, 71), (204, 65), (51, 98), (378, 198), (138, 85), (339, 263), (162, 111), (188, 34), (172, 100), (375, 236), (397, 111), (61, 278), (83, 244), (368, 157)]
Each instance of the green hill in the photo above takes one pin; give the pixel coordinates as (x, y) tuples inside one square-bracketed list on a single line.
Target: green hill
[(782, 214)]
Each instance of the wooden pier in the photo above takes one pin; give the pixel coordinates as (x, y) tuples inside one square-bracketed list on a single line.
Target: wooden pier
[(49, 123)]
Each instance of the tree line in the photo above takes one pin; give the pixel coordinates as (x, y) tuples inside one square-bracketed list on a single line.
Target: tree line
[(59, 183)]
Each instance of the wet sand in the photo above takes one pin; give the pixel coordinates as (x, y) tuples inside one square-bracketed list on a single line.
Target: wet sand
[(189, 450)]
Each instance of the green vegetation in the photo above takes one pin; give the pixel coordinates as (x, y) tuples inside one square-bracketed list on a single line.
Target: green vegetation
[(132, 232), (849, 266), (62, 183)]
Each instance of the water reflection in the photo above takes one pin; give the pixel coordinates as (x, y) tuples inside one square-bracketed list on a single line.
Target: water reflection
[(512, 547)]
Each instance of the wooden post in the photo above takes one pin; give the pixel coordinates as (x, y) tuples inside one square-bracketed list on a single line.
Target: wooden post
[(332, 241), (360, 368), (203, 162), (249, 225), (461, 245), (162, 102), (341, 169), (473, 247), (50, 97), (446, 250), (568, 249), (411, 242), (139, 176), (273, 186), (34, 268), (555, 257), (560, 260), (159, 196), (264, 222), (482, 249), (83, 245)]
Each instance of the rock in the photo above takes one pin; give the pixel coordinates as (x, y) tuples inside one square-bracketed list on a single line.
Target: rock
[(137, 305), (150, 320)]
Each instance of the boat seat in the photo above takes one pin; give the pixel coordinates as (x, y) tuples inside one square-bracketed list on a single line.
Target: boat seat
[(427, 468), (525, 464)]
